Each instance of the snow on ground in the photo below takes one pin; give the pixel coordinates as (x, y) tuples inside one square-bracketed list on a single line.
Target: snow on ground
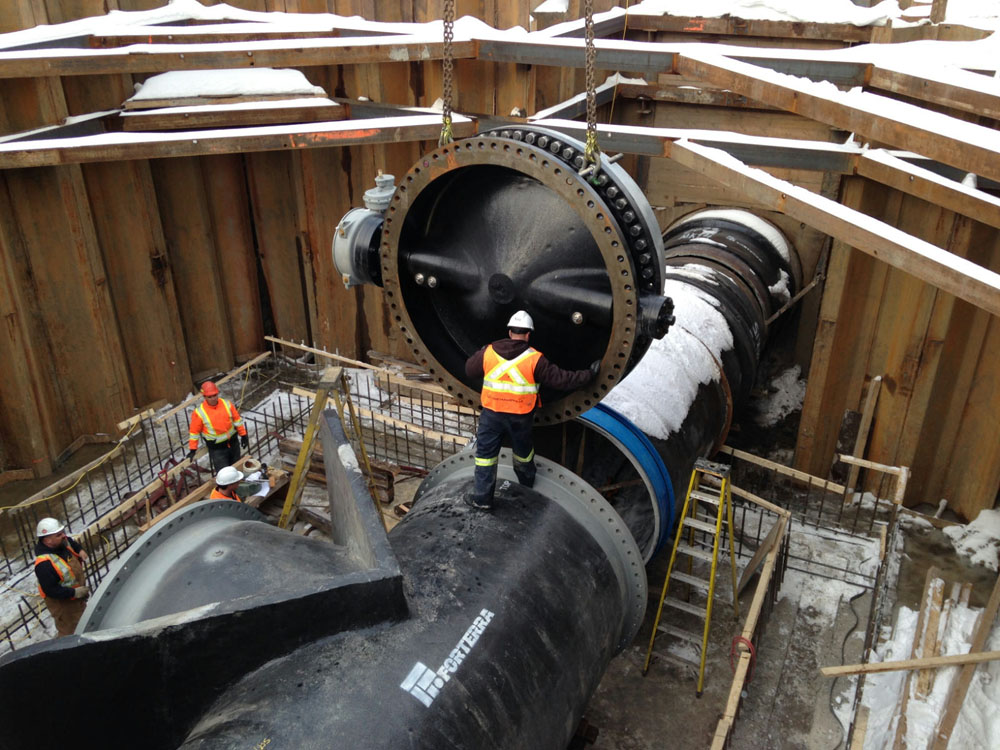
[(979, 540), (978, 724), (786, 392)]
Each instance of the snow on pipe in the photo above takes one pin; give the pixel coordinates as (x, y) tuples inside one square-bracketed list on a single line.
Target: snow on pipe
[(728, 272)]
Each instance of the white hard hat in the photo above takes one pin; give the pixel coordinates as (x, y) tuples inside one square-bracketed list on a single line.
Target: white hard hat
[(521, 319), (228, 475), (48, 526)]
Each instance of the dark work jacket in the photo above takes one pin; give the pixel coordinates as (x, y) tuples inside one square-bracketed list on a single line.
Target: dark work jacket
[(46, 573), (546, 373)]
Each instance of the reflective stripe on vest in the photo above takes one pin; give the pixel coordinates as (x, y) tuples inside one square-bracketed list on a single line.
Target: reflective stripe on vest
[(63, 570), (509, 385), (209, 430)]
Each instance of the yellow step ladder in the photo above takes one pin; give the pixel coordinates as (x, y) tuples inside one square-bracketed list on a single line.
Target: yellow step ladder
[(709, 485)]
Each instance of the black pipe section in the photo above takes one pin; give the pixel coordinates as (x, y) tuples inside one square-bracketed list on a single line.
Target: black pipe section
[(515, 616)]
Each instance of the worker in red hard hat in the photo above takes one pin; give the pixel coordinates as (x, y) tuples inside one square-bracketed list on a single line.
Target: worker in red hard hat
[(217, 421), (59, 569), (512, 373)]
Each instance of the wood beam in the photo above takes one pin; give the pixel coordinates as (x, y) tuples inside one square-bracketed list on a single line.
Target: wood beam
[(120, 146), (970, 147), (905, 664), (750, 27), (958, 89), (883, 167), (939, 268), (292, 53), (206, 117)]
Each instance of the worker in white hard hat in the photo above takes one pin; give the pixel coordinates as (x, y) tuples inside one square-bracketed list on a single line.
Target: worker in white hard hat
[(226, 482), (59, 569), (512, 373)]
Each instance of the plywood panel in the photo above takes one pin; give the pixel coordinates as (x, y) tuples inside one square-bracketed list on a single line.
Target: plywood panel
[(29, 407), (64, 272), (229, 208), (853, 285), (273, 197), (973, 474), (187, 228), (140, 278)]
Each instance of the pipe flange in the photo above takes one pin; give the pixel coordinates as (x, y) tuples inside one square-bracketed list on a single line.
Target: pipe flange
[(117, 578), (624, 231)]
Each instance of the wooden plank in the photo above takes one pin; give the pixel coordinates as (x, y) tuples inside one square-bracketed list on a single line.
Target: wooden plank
[(159, 58), (393, 421), (218, 381), (209, 117), (809, 479), (930, 263), (200, 493), (960, 684), (951, 660), (187, 228), (133, 106), (228, 207), (862, 437), (749, 27), (970, 147), (122, 146), (283, 256), (933, 586), (878, 164), (322, 353), (932, 85), (141, 279)]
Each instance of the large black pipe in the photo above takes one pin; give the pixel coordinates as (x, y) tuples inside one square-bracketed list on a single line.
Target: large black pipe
[(514, 617)]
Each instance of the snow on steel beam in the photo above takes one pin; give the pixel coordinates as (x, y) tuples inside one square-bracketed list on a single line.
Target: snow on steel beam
[(938, 267), (282, 53), (962, 144), (839, 158), (132, 145), (653, 57), (760, 151)]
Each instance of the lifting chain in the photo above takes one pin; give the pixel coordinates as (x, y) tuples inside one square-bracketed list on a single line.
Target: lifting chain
[(592, 152), (447, 69)]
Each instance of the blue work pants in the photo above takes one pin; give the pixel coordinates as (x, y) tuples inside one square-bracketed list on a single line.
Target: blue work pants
[(493, 426)]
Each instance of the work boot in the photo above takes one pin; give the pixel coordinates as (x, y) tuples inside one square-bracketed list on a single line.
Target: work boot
[(479, 503)]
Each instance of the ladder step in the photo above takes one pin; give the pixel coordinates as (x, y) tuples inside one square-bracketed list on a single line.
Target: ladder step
[(677, 659), (684, 635), (696, 523), (705, 497), (712, 468), (691, 580), (701, 554), (692, 609)]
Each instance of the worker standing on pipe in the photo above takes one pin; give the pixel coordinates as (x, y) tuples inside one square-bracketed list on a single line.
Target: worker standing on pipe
[(59, 570), (218, 421), (226, 482), (513, 373)]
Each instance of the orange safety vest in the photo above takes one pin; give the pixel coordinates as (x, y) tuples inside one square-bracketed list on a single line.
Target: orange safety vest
[(216, 424), (509, 385), (217, 494), (65, 572)]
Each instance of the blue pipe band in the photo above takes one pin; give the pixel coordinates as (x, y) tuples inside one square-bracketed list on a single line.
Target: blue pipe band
[(632, 439)]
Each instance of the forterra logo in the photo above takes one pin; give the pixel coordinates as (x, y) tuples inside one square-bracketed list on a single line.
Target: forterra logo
[(424, 684)]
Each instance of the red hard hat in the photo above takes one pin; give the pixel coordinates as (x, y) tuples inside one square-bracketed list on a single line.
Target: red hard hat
[(208, 388)]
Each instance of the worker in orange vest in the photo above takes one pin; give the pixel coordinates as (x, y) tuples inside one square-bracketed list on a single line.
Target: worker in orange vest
[(59, 570), (217, 421), (226, 482), (512, 373)]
